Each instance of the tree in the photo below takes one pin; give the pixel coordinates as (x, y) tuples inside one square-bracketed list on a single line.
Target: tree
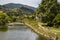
[(46, 9), (14, 18), (56, 20), (14, 11), (3, 18)]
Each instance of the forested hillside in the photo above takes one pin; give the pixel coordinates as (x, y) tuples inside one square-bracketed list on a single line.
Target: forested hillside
[(47, 12), (14, 12)]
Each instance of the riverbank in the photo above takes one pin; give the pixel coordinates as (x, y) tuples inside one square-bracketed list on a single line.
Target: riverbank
[(47, 32), (56, 31), (34, 25), (21, 33)]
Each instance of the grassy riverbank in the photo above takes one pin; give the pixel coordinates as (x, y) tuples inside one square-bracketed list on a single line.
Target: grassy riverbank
[(55, 30), (44, 31)]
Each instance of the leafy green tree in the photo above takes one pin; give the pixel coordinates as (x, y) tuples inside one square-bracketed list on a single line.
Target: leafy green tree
[(14, 18), (8, 19), (3, 18), (46, 9), (56, 20)]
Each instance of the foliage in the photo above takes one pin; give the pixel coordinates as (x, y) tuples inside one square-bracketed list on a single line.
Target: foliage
[(56, 20), (47, 11), (4, 18), (14, 18)]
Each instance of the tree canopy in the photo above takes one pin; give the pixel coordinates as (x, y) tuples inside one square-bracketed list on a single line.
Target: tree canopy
[(47, 11)]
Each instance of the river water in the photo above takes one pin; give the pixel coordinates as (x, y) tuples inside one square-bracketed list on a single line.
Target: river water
[(18, 33)]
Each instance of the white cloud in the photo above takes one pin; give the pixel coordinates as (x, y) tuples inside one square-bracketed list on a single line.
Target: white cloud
[(58, 0), (33, 3)]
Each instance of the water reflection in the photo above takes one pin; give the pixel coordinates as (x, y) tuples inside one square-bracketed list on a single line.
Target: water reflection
[(16, 34), (42, 38), (3, 28), (2, 35)]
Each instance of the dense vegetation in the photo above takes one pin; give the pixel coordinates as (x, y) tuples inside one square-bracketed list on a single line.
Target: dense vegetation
[(4, 18), (8, 15), (48, 12)]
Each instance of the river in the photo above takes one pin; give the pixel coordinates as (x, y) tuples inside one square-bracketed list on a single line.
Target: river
[(18, 33)]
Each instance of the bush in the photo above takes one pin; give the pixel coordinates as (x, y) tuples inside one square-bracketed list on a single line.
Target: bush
[(3, 18), (56, 20)]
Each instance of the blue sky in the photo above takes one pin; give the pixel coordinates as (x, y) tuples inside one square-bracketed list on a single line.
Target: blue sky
[(33, 3)]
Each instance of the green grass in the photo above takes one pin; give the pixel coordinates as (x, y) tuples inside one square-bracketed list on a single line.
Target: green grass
[(34, 24), (56, 31)]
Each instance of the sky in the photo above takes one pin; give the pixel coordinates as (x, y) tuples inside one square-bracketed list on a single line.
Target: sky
[(33, 3)]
